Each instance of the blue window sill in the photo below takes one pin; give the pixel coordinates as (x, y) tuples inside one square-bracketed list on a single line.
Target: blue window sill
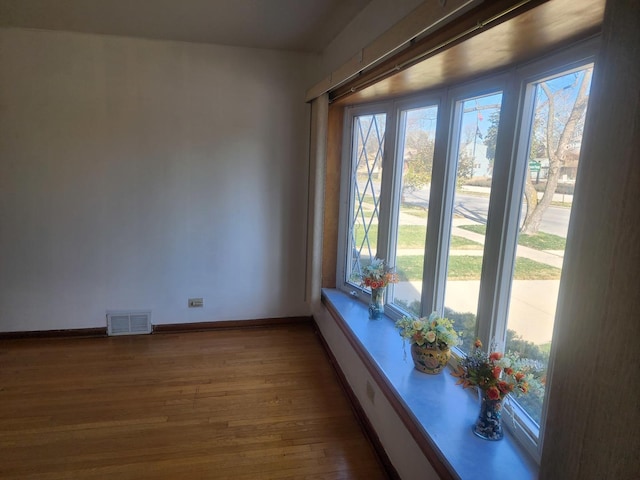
[(442, 411)]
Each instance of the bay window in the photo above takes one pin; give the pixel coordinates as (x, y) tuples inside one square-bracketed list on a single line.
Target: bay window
[(466, 190)]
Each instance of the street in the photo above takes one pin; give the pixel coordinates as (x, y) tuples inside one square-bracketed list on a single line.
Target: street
[(475, 207)]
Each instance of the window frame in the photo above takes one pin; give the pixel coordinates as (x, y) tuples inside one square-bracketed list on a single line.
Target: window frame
[(485, 86), (507, 185), (346, 198), (433, 99), (576, 57)]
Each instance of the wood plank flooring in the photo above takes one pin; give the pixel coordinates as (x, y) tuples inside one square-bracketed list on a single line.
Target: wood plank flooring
[(258, 403)]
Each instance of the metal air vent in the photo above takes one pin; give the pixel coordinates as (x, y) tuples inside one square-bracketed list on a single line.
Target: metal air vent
[(128, 323)]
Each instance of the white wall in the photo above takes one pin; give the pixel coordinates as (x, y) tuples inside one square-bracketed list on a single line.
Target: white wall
[(135, 174)]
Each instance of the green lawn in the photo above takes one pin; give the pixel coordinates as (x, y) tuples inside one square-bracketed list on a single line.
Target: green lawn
[(539, 241), (542, 241), (461, 243), (462, 267), (413, 236), (481, 229), (527, 269), (414, 210)]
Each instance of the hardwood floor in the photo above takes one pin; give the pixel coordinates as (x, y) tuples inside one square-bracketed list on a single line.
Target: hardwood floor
[(258, 403)]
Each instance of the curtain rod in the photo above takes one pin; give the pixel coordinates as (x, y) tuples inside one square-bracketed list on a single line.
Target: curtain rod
[(412, 61)]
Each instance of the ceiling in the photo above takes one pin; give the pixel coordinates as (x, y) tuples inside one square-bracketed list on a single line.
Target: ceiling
[(293, 25)]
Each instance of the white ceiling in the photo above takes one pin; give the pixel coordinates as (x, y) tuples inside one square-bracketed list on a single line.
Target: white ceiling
[(295, 25)]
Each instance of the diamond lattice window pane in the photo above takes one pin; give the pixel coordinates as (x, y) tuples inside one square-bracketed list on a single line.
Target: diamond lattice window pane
[(368, 148)]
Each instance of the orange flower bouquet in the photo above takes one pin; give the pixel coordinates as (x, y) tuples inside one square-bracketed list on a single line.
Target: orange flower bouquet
[(376, 276), (496, 375), (492, 373)]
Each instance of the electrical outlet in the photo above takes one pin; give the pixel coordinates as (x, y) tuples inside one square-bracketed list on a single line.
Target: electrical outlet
[(196, 302)]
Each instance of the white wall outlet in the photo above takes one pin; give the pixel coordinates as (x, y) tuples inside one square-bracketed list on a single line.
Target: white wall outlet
[(196, 302)]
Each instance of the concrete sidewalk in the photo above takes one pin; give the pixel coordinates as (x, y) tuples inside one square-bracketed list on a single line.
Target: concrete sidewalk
[(552, 258)]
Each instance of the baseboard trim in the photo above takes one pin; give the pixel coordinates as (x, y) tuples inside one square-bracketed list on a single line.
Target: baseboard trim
[(167, 328), (228, 324), (67, 333), (359, 412)]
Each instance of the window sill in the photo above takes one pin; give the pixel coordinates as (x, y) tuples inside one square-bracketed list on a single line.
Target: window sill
[(438, 412)]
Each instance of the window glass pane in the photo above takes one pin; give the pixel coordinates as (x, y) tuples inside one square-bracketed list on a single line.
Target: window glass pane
[(368, 148), (555, 139), (478, 127), (416, 161)]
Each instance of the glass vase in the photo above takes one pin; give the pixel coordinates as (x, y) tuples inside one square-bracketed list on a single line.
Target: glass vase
[(489, 423), (376, 304)]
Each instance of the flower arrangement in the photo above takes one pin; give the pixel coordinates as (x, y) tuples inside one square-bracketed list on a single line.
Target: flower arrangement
[(495, 374), (432, 330), (378, 275)]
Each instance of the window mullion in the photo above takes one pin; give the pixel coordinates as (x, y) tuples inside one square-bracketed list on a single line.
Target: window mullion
[(502, 225), (386, 187), (395, 183), (440, 211)]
